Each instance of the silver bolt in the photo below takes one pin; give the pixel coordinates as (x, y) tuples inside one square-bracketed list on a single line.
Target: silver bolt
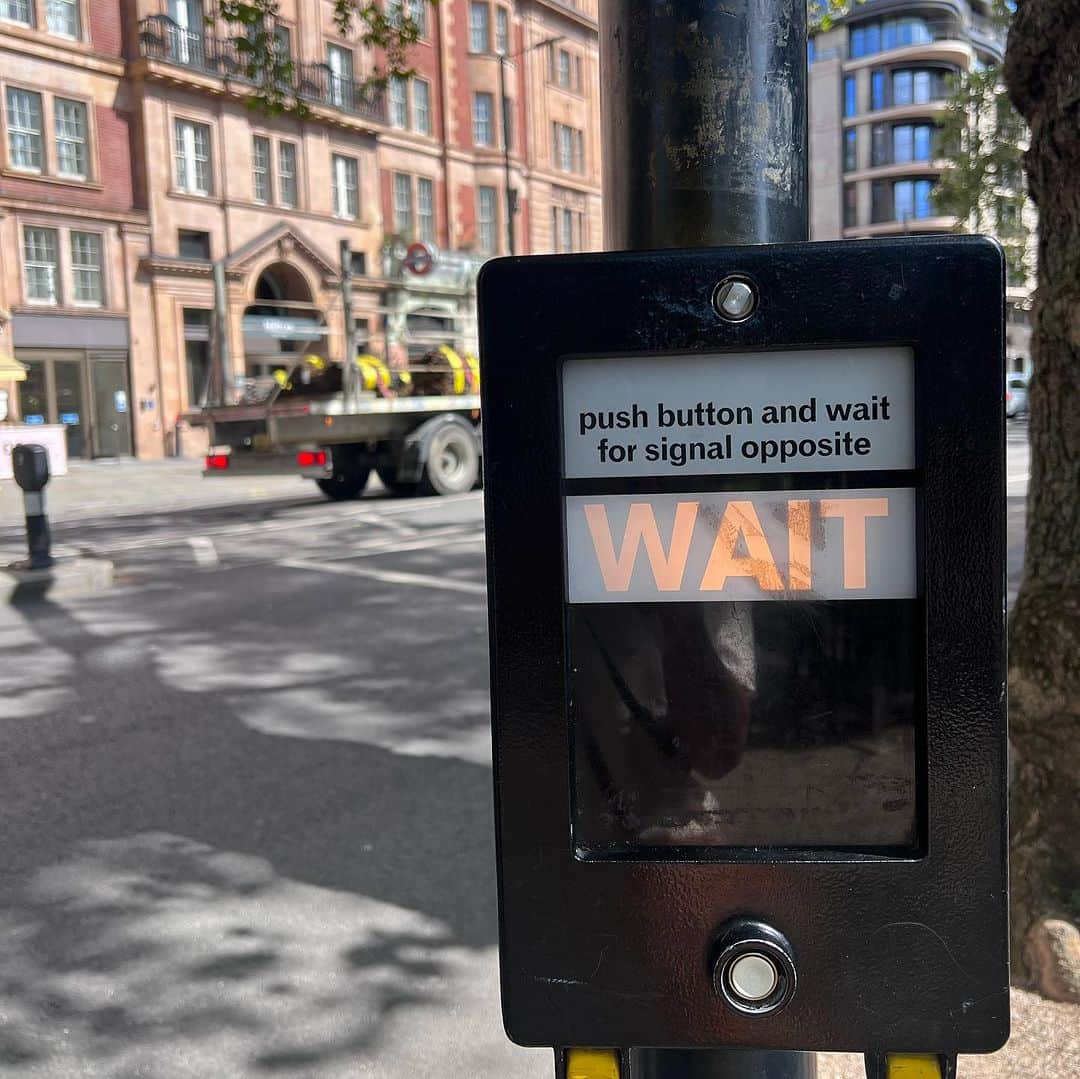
[(735, 299)]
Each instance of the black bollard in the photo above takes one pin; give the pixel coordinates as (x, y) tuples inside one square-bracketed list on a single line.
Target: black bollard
[(31, 467)]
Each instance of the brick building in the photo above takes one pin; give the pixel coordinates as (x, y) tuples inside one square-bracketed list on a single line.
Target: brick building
[(140, 190), (72, 228)]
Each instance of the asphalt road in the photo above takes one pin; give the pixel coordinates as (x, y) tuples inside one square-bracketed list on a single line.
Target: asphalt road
[(245, 798), (245, 801)]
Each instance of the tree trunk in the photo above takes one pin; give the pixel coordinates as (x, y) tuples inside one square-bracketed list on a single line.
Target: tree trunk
[(1042, 72)]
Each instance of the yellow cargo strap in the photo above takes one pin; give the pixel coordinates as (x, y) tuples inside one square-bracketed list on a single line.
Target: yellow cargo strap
[(454, 360), (912, 1066), (472, 372), (592, 1064), (281, 377), (374, 374), (316, 363)]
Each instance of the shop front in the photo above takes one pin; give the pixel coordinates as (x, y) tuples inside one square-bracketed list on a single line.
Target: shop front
[(76, 376)]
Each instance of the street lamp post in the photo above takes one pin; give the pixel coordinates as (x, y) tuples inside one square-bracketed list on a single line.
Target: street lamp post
[(511, 200)]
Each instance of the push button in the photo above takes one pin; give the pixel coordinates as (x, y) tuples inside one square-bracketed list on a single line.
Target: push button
[(753, 976), (754, 971)]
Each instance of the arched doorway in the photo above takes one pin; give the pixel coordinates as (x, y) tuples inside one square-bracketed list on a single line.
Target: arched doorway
[(282, 282), (281, 322)]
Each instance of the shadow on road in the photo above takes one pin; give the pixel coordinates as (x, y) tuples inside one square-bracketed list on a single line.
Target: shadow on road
[(175, 876)]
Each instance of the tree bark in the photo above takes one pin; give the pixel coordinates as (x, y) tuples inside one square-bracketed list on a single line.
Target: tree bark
[(1042, 72)]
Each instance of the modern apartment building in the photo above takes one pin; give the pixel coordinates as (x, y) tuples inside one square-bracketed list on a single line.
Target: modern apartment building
[(144, 195), (879, 80)]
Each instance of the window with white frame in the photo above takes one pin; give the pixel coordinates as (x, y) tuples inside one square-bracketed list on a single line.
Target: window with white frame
[(425, 209), (569, 148), (287, 173), (346, 187), (260, 167), (192, 153), (24, 129), (41, 265), (483, 128), (418, 14), (62, 17), (403, 205), (20, 11), (479, 27), (340, 62), (567, 229), (399, 103), (86, 268), (502, 31), (486, 230), (566, 69), (562, 70), (422, 106), (72, 158)]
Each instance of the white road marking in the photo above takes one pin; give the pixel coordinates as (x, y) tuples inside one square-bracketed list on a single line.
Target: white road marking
[(359, 516), (443, 537), (400, 527), (387, 576), (203, 550)]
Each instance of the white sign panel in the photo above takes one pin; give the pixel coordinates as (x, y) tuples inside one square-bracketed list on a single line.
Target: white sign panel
[(799, 411), (749, 545), (52, 436)]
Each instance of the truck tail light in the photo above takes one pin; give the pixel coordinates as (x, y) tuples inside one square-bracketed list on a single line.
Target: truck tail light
[(216, 462), (311, 458)]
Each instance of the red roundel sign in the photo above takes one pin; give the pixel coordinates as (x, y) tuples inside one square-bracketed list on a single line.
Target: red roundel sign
[(419, 259)]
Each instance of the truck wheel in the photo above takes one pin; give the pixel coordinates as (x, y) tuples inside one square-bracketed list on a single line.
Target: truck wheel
[(345, 484), (388, 477), (453, 462)]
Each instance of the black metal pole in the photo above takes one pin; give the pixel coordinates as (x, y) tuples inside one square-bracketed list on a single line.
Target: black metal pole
[(38, 536), (703, 110), (505, 114)]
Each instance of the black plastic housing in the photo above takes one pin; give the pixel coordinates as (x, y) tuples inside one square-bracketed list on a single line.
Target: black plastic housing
[(893, 952)]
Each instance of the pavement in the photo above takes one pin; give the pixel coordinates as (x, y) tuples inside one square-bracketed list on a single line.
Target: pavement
[(245, 796)]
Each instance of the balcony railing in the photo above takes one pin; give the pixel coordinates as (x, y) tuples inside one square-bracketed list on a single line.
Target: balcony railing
[(160, 38)]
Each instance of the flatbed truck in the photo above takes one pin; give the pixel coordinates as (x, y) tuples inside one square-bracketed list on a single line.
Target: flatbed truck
[(415, 443)]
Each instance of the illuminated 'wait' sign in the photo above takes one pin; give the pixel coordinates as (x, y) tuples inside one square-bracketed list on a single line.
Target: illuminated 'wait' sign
[(761, 545)]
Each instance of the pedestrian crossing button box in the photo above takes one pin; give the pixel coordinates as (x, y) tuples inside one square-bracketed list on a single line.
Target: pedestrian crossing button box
[(746, 567), (30, 465)]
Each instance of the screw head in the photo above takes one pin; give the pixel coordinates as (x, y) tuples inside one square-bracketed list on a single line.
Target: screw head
[(735, 299)]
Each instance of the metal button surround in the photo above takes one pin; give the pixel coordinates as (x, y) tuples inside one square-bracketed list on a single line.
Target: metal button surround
[(754, 970)]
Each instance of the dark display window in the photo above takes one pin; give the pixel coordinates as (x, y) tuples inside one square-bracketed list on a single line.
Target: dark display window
[(724, 724)]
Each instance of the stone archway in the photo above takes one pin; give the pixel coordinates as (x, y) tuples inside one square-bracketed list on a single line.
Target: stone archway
[(282, 282), (281, 319)]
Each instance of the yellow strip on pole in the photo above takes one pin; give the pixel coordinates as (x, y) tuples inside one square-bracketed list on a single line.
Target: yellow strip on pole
[(592, 1064), (912, 1066)]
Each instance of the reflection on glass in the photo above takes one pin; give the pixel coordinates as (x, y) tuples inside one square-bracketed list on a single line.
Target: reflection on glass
[(745, 724), (69, 409)]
